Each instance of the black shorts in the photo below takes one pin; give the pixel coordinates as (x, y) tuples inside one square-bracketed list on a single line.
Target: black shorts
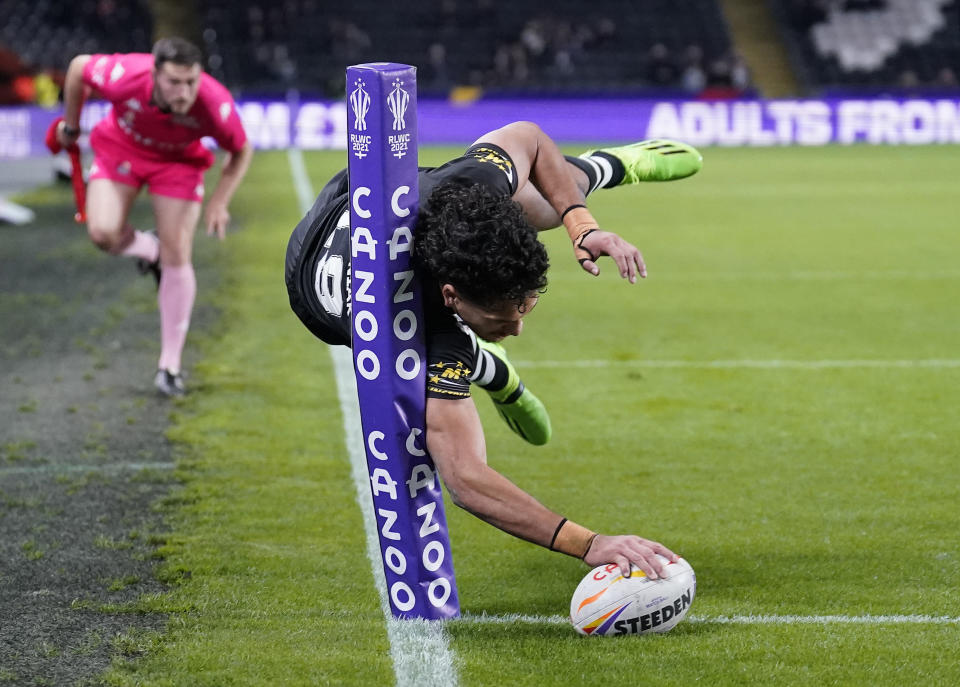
[(322, 303)]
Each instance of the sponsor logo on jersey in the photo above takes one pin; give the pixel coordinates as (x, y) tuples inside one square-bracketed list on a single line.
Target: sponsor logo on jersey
[(97, 74), (496, 158), (116, 72), (457, 393), (449, 378)]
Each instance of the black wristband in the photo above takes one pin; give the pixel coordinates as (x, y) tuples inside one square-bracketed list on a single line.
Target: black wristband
[(556, 532), (572, 207), (70, 130)]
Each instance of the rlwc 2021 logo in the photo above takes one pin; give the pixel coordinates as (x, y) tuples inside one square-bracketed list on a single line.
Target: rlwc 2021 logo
[(360, 104), (398, 101)]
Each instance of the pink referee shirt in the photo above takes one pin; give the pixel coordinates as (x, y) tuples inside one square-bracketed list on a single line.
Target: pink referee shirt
[(126, 80)]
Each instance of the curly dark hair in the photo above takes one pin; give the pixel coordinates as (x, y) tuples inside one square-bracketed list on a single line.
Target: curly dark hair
[(479, 243)]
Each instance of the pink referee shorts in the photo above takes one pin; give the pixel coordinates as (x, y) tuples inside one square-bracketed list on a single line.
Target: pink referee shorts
[(123, 165)]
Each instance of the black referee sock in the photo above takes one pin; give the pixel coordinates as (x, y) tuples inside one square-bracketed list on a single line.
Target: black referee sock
[(603, 170)]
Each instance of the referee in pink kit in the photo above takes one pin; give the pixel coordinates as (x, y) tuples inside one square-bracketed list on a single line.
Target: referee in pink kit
[(163, 104)]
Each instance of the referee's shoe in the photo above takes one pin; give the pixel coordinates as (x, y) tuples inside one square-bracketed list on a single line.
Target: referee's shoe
[(169, 383)]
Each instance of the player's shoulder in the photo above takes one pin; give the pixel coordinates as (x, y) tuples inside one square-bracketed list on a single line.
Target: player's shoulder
[(482, 163), (212, 92), (118, 69), (451, 347), (490, 153), (215, 98), (210, 87)]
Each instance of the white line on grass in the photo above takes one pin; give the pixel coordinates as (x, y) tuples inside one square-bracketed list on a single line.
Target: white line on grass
[(826, 620), (301, 181), (420, 649), (933, 363), (517, 618)]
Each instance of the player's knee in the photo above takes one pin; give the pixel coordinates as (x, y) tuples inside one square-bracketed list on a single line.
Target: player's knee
[(106, 237), (101, 239)]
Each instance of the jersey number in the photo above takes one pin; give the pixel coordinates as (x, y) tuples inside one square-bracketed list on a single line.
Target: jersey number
[(328, 284)]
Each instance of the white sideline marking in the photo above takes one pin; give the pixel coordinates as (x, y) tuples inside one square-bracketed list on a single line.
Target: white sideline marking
[(933, 363), (301, 180), (518, 618), (420, 649)]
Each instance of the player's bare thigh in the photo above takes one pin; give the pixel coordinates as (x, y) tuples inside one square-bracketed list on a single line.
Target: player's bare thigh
[(108, 206), (176, 223)]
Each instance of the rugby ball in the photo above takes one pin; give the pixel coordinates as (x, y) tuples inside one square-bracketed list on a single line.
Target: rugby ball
[(607, 602)]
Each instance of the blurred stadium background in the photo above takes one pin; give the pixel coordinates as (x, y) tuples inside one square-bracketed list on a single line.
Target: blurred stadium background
[(676, 48), (720, 62), (725, 65)]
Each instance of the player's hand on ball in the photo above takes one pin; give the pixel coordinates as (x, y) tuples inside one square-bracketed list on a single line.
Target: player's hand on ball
[(625, 254), (624, 549), (217, 219)]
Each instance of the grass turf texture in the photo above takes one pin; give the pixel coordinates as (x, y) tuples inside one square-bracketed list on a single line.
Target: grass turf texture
[(791, 491)]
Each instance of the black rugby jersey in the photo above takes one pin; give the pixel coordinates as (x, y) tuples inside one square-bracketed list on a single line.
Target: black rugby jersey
[(318, 269)]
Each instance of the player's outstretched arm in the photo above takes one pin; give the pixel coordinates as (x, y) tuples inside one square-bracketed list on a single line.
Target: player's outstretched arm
[(217, 214), (456, 444), (545, 183)]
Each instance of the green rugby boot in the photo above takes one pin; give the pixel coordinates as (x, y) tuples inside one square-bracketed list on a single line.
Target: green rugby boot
[(517, 406), (658, 159)]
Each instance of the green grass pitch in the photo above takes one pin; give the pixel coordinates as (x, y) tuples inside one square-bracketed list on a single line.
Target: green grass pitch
[(777, 402)]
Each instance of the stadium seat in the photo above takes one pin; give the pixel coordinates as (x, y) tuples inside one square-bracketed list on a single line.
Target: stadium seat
[(484, 43), (263, 47), (883, 45)]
